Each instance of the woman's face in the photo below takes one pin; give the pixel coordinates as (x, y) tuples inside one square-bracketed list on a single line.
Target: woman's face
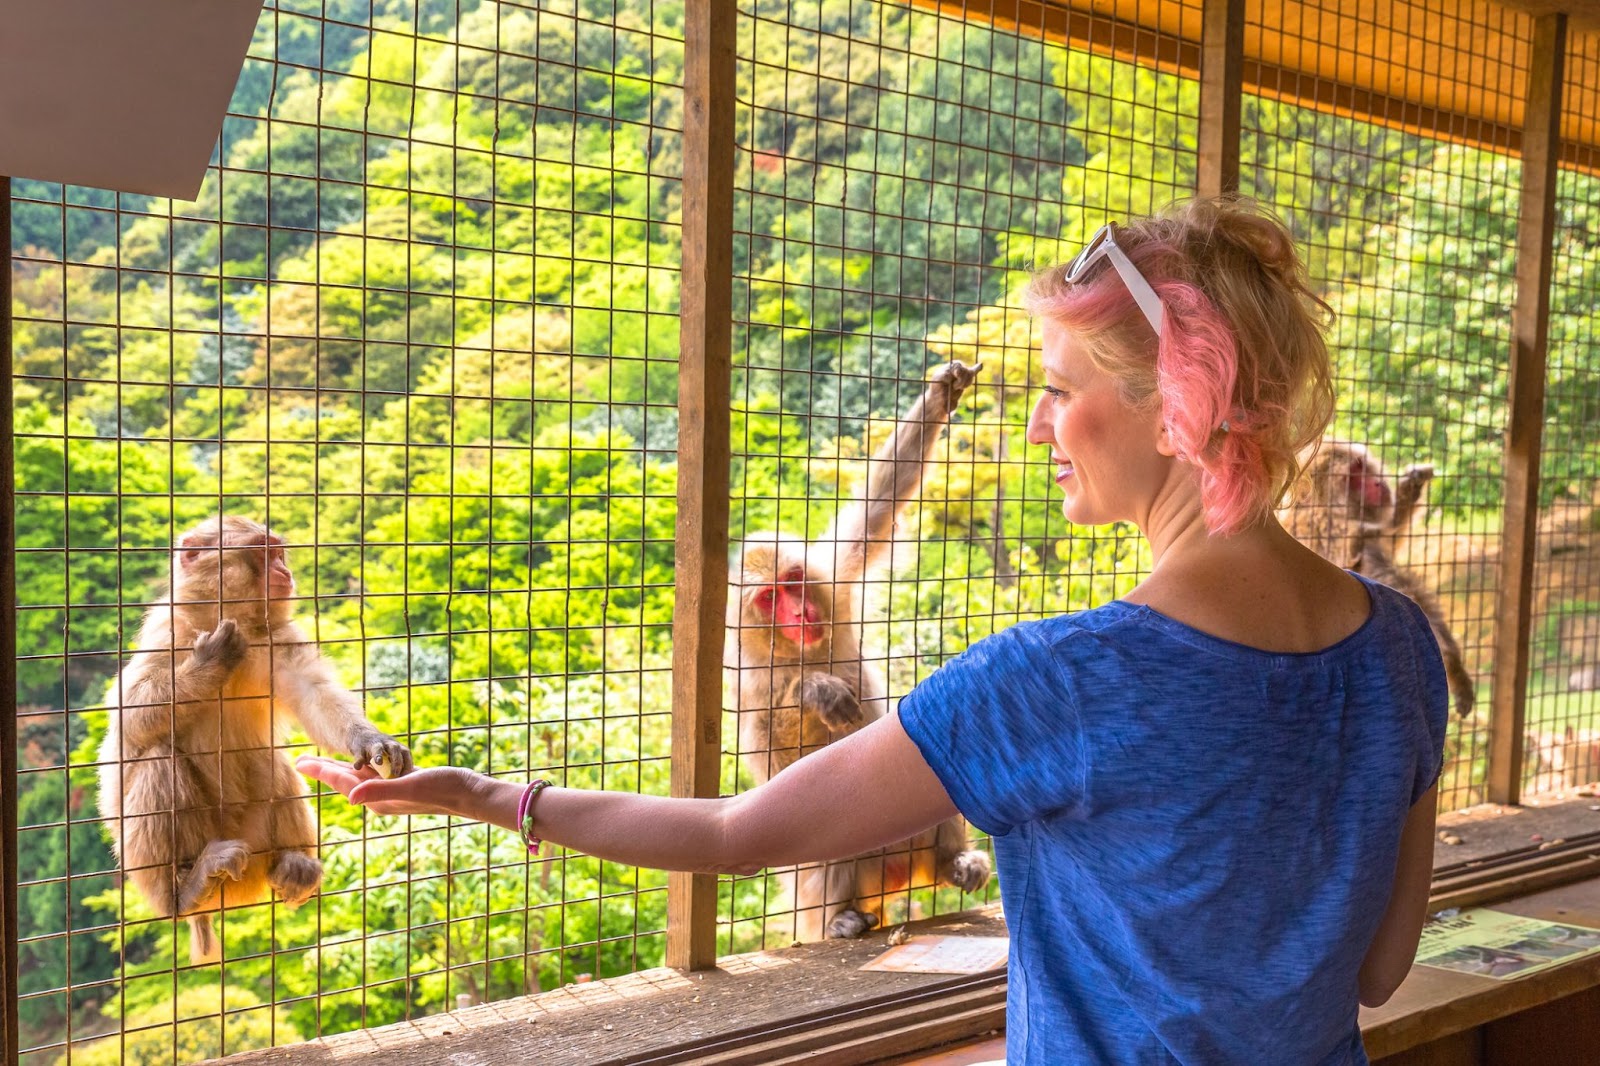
[(1111, 459)]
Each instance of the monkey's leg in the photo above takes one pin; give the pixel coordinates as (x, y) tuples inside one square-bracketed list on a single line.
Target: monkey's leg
[(295, 874), (849, 915), (169, 817), (221, 860), (809, 895), (959, 864)]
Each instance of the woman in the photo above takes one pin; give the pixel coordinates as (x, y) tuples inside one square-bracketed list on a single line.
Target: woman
[(1212, 802)]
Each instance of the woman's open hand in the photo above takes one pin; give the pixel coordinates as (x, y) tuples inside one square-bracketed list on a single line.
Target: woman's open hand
[(438, 790)]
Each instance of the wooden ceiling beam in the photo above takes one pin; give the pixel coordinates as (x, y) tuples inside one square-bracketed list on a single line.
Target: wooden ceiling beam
[(1455, 70)]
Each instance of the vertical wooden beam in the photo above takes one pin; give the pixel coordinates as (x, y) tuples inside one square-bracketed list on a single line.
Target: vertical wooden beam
[(9, 1018), (1221, 85), (704, 380), (1530, 329)]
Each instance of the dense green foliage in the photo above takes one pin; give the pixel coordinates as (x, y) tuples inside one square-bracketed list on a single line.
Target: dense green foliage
[(423, 321)]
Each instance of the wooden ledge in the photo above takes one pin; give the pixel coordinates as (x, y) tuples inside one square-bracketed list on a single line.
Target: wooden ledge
[(789, 1005), (1434, 1005), (765, 1007)]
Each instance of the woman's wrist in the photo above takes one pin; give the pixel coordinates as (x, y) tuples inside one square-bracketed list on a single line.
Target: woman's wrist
[(472, 797)]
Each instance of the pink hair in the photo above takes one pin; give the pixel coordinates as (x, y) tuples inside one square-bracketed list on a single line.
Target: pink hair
[(1239, 412)]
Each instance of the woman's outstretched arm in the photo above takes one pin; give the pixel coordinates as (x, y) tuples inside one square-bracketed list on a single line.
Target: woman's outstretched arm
[(868, 790)]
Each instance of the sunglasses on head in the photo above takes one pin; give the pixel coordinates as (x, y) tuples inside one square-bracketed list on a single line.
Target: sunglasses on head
[(1103, 245)]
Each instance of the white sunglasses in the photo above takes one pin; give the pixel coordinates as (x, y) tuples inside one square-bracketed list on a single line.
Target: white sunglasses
[(1103, 245)]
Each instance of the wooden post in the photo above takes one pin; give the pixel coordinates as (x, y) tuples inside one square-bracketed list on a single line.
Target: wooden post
[(1530, 331), (1221, 85), (704, 380), (9, 1018)]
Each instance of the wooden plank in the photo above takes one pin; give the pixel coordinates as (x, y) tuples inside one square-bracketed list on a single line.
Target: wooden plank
[(1458, 1049), (1441, 74), (9, 1021), (868, 1034), (1519, 880), (762, 1007), (1221, 90), (1561, 1033), (704, 380), (1530, 331)]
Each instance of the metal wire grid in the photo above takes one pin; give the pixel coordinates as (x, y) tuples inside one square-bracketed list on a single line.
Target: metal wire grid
[(115, 370), (899, 171), (422, 321), (1562, 740), (1411, 238)]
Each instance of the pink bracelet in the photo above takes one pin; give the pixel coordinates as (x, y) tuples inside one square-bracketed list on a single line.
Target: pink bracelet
[(525, 814)]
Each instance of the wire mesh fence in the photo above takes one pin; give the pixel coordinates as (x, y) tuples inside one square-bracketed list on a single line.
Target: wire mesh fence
[(898, 171), (423, 323), (1411, 237), (1562, 741)]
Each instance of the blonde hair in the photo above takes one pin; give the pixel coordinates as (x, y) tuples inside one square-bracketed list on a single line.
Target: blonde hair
[(1241, 371)]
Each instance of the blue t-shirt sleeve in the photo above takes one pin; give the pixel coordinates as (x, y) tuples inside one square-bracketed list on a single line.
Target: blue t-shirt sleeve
[(997, 728)]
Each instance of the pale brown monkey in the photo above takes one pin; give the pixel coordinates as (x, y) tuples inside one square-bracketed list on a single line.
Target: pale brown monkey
[(203, 811), (1345, 510), (800, 680)]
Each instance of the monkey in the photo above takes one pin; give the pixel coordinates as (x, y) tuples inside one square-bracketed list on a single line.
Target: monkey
[(795, 666), (1344, 508), (203, 811)]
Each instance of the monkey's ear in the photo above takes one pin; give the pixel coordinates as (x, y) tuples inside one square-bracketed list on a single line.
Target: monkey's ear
[(192, 545)]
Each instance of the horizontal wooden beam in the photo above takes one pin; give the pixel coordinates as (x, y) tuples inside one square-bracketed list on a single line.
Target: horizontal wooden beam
[(1450, 77)]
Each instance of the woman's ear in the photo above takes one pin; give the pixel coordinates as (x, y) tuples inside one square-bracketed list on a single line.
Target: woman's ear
[(1164, 443)]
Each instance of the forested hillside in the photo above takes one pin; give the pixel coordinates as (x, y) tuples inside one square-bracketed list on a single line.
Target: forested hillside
[(423, 321)]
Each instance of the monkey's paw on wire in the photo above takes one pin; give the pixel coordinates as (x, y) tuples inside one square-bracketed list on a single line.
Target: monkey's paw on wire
[(225, 645), (295, 877), (833, 700), (958, 376)]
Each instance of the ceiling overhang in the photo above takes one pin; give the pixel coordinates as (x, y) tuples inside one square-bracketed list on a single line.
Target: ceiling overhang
[(118, 94), (1452, 69)]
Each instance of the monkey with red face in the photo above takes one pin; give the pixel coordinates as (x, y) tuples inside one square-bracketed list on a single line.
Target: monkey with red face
[(800, 679), (1345, 510), (203, 810)]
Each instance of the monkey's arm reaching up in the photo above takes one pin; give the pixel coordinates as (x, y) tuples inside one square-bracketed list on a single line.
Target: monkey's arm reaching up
[(863, 531), (158, 700), (331, 714)]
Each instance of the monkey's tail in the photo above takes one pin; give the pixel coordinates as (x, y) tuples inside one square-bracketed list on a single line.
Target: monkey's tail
[(1461, 686), (203, 943), (1455, 669)]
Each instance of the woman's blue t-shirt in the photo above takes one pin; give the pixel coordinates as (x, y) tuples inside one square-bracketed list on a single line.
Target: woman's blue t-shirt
[(1195, 839)]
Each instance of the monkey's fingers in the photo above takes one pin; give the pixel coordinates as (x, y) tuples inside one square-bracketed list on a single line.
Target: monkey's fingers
[(388, 757)]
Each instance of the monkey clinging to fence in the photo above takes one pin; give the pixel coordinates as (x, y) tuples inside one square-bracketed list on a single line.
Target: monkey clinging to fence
[(1345, 510), (799, 677), (203, 811)]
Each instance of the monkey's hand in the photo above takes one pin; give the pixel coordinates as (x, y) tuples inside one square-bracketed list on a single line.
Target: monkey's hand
[(832, 700), (383, 753), (223, 648), (1418, 474), (957, 377)]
